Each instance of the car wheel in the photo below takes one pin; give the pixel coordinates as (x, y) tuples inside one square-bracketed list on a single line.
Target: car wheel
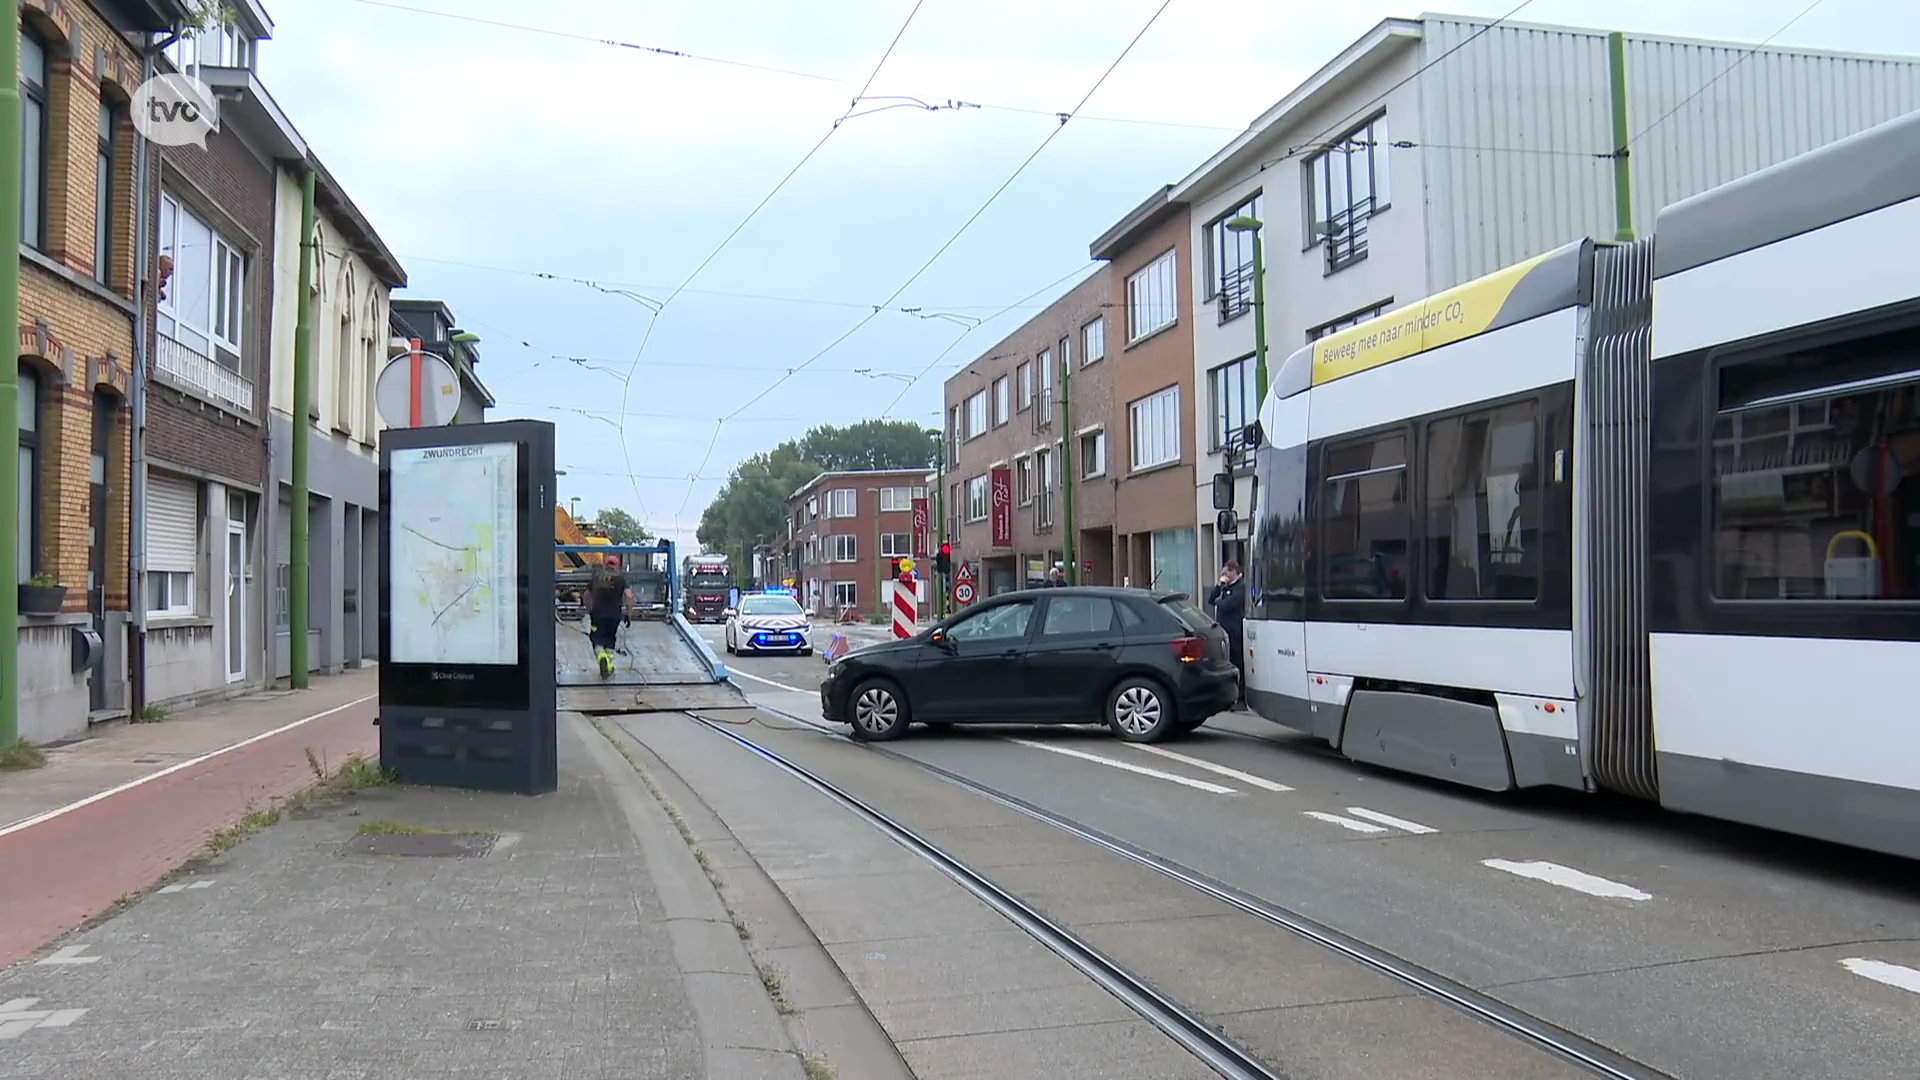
[(879, 711), (1140, 710)]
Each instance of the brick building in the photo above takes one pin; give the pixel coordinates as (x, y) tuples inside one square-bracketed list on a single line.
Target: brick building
[(1148, 252), (76, 338), (207, 431), (843, 530), (1006, 410)]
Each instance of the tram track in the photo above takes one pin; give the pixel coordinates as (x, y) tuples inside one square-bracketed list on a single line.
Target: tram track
[(1191, 1030)]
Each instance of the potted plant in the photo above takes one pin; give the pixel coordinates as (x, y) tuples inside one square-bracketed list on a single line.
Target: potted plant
[(42, 595)]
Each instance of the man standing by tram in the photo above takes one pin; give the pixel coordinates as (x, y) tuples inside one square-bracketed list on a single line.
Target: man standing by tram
[(1228, 600)]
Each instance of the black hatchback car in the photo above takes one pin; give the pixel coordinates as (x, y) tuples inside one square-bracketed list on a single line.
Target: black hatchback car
[(1147, 664)]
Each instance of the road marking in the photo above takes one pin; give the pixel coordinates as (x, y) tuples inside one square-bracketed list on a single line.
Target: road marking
[(1200, 763), (182, 886), (1880, 971), (1343, 822), (171, 769), (1568, 878), (1402, 824), (17, 1017), (738, 674), (1140, 769), (71, 955)]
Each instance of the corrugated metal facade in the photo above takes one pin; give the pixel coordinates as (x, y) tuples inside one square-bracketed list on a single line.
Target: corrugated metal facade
[(1516, 126)]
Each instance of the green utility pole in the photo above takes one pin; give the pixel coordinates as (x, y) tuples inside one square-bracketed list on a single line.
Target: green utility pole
[(10, 390), (1253, 225), (1066, 471), (300, 568), (1622, 176)]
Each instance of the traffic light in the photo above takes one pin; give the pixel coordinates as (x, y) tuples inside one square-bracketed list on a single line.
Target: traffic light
[(944, 561), (894, 571)]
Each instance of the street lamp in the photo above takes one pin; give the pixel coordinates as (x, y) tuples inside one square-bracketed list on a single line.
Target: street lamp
[(1245, 224)]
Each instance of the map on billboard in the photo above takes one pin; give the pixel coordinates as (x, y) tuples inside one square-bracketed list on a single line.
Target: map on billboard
[(454, 527)]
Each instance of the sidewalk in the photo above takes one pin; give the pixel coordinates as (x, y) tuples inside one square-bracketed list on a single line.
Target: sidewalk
[(402, 933), (110, 816)]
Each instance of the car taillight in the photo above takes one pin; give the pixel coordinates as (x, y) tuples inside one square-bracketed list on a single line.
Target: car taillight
[(1191, 650)]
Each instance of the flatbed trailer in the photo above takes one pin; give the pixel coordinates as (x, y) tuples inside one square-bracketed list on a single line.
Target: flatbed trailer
[(661, 662)]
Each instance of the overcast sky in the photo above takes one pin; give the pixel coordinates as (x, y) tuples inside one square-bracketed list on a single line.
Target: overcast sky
[(487, 155)]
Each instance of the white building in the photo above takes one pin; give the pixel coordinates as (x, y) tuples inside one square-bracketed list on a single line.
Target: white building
[(1435, 150)]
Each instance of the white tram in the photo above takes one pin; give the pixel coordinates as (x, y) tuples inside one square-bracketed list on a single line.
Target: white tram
[(1642, 517)]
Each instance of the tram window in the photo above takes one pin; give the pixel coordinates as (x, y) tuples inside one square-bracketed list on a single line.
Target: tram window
[(1483, 505), (1367, 519), (1816, 475), (1279, 537)]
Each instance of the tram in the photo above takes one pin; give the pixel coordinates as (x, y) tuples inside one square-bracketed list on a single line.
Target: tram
[(1640, 517)]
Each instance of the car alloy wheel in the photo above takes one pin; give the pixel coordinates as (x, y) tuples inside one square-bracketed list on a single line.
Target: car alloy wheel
[(1138, 711), (878, 712)]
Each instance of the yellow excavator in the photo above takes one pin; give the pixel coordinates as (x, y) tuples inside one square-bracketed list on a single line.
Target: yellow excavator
[(572, 569)]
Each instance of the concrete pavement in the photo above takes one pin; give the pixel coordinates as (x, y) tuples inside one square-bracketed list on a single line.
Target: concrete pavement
[(1702, 950)]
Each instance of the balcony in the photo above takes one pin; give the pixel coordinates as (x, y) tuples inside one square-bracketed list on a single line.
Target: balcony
[(1042, 411), (1346, 235), (1236, 293), (191, 370)]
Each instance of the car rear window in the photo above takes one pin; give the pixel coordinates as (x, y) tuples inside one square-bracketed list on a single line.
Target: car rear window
[(1189, 615)]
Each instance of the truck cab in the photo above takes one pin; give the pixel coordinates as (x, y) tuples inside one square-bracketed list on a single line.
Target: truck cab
[(707, 588)]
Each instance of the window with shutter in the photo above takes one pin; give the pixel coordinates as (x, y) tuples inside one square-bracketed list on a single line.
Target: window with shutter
[(173, 544)]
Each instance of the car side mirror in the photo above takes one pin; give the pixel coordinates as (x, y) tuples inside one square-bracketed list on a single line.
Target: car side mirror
[(1223, 491), (938, 637)]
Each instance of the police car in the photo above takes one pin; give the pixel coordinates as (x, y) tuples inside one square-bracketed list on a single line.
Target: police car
[(769, 622)]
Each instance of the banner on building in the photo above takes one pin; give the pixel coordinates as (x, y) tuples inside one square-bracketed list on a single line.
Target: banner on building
[(922, 530), (1003, 507)]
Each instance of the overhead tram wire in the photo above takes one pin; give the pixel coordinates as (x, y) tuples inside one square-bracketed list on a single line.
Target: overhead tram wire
[(1744, 56), (951, 240)]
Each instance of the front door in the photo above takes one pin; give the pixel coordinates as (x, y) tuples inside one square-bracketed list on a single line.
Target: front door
[(977, 674), (104, 408), (236, 589)]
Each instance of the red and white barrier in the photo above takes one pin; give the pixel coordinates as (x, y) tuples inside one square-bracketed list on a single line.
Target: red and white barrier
[(904, 609)]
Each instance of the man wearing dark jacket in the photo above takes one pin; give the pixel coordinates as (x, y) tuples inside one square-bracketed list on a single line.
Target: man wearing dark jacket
[(1229, 603)]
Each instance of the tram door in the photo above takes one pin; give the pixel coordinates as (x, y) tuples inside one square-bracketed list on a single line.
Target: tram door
[(1276, 656)]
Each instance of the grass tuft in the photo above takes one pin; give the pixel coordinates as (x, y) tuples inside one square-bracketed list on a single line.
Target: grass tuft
[(21, 756)]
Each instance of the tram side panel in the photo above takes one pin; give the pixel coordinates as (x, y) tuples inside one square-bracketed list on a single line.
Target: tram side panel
[(1784, 592)]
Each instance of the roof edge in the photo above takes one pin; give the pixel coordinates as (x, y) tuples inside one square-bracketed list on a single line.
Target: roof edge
[(1155, 209), (368, 244)]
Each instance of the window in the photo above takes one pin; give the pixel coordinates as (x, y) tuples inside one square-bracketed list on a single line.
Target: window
[(1066, 354), (813, 507), (1151, 298), (202, 304), (843, 503), (1045, 363), (977, 415), (1229, 271), (1043, 477), (977, 498), (1023, 479), (223, 46), (1000, 402), (1093, 342), (954, 435), (1093, 454), (1347, 185), (846, 594), (1483, 505), (1007, 622), (1230, 387), (173, 544), (103, 198), (1277, 589), (1154, 429), (896, 545), (27, 510), (33, 140), (1346, 322), (899, 498), (844, 547), (812, 550), (1806, 452), (343, 376), (1025, 374), (1364, 548), (1068, 616)]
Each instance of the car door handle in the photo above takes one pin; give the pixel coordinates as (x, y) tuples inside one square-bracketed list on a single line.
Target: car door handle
[(1010, 654), (1105, 646)]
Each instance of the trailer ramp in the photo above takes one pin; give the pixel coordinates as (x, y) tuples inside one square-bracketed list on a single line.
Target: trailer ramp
[(663, 666)]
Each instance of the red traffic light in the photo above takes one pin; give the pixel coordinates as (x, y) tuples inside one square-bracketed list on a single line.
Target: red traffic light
[(946, 549)]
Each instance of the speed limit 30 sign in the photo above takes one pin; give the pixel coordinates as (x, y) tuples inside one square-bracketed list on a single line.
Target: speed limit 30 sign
[(963, 593)]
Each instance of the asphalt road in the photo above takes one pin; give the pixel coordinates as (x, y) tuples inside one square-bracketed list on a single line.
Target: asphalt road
[(1699, 949)]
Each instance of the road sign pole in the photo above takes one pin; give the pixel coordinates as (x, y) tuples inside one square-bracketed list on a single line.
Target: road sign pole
[(414, 379)]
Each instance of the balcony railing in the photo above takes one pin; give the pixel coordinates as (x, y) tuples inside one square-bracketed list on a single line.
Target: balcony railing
[(1346, 235), (1043, 511), (191, 370), (1236, 293), (1042, 411)]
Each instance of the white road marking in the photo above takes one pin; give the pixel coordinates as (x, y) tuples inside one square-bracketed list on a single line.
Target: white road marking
[(181, 886), (174, 768), (1402, 824), (1199, 763), (1142, 770), (70, 955), (737, 673), (1343, 822), (17, 1017), (1568, 878), (1880, 971)]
